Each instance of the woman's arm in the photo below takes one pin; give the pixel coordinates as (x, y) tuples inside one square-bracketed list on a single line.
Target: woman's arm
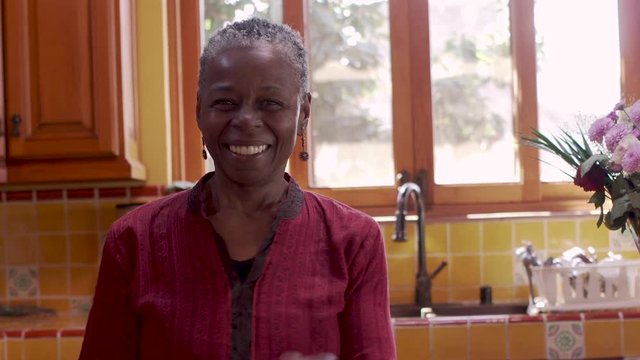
[(365, 323), (111, 331)]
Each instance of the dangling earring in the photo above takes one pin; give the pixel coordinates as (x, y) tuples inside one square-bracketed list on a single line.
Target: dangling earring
[(204, 150), (304, 155)]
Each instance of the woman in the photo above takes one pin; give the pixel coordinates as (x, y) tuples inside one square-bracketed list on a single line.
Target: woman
[(245, 265)]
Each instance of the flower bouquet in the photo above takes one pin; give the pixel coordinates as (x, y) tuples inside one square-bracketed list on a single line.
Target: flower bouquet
[(607, 163)]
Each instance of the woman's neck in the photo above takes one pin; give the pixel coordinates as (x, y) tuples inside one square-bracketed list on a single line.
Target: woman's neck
[(247, 199)]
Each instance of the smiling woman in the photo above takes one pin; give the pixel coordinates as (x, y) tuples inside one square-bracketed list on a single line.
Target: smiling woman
[(246, 264)]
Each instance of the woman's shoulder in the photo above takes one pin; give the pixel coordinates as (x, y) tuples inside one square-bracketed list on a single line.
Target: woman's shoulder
[(152, 211)]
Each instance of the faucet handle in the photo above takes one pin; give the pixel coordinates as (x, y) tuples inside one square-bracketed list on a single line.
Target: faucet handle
[(438, 269), (402, 177)]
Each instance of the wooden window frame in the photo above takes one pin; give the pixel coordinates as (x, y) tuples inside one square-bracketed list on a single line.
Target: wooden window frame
[(412, 112)]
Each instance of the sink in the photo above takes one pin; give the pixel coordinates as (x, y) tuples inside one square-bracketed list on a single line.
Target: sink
[(459, 309)]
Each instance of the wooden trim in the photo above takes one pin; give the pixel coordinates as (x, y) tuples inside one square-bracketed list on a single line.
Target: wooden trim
[(523, 55), (175, 91), (473, 194), (294, 14), (402, 86), (3, 115), (190, 49), (106, 73), (361, 197), (105, 169), (628, 11), (421, 106), (129, 130)]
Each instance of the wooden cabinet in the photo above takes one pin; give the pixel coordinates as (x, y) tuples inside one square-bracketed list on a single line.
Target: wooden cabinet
[(69, 91)]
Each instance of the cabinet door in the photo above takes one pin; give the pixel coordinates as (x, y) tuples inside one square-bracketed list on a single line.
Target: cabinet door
[(61, 87), (69, 90), (3, 163)]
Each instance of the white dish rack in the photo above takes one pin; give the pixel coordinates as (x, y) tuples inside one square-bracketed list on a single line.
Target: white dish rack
[(614, 285)]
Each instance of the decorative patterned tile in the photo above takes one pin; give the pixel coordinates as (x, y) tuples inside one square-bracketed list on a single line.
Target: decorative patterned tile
[(80, 305), (565, 340), (23, 282)]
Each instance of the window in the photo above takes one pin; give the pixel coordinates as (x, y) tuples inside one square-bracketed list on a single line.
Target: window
[(443, 90)]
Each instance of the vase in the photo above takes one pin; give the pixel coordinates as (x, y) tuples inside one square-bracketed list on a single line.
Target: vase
[(634, 228)]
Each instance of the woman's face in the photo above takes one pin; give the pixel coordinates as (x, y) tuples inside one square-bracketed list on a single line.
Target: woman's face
[(249, 112)]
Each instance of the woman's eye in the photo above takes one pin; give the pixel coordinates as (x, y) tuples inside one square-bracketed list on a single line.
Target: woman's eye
[(223, 104), (272, 105)]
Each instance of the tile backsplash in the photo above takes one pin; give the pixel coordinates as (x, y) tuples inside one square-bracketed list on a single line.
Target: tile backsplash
[(481, 253), (50, 243)]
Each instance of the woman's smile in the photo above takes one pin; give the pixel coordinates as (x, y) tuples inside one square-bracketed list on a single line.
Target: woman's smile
[(247, 150)]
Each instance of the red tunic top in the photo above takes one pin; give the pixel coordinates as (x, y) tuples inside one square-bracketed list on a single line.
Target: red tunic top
[(164, 289)]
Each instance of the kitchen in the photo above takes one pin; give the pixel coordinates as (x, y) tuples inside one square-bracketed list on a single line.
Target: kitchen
[(107, 67)]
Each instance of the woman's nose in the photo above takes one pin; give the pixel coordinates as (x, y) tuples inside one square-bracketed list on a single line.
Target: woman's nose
[(247, 117)]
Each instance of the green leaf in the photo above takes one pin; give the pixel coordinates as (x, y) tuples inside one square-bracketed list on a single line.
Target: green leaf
[(634, 179), (592, 160), (620, 207), (616, 224), (619, 187), (597, 199), (634, 199), (600, 218), (565, 146)]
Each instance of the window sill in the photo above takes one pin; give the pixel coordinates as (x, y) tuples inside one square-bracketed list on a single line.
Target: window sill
[(496, 211)]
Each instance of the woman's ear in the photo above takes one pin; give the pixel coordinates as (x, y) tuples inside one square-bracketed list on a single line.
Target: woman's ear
[(305, 111)]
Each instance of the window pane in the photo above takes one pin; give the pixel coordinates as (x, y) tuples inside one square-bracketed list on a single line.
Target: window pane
[(351, 86), (471, 87), (218, 13), (578, 69)]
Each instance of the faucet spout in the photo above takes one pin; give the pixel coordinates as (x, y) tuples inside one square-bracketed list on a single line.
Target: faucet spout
[(423, 279)]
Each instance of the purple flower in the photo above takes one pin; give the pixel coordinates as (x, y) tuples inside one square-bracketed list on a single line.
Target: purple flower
[(627, 142), (599, 128), (631, 159), (619, 105), (615, 134), (613, 167), (613, 116), (634, 113)]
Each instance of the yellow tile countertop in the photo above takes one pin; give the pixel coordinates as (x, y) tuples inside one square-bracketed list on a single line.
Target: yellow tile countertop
[(587, 335), (570, 335), (43, 337)]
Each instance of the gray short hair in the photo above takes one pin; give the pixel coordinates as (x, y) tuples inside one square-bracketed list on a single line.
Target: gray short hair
[(251, 32)]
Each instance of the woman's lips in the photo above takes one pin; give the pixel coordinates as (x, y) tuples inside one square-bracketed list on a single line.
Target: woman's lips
[(247, 150)]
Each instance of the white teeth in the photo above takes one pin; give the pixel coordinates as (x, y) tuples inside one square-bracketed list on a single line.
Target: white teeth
[(247, 150)]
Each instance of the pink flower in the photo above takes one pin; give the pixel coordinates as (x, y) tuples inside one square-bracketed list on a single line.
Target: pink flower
[(615, 134), (629, 141), (634, 113), (599, 128), (631, 159), (619, 105)]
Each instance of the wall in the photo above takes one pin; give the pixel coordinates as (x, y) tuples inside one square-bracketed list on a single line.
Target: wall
[(50, 242)]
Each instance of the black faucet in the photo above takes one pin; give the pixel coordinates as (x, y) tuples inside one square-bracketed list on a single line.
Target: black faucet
[(423, 279)]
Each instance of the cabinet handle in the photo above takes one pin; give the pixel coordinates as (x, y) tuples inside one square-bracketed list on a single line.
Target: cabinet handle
[(16, 120)]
